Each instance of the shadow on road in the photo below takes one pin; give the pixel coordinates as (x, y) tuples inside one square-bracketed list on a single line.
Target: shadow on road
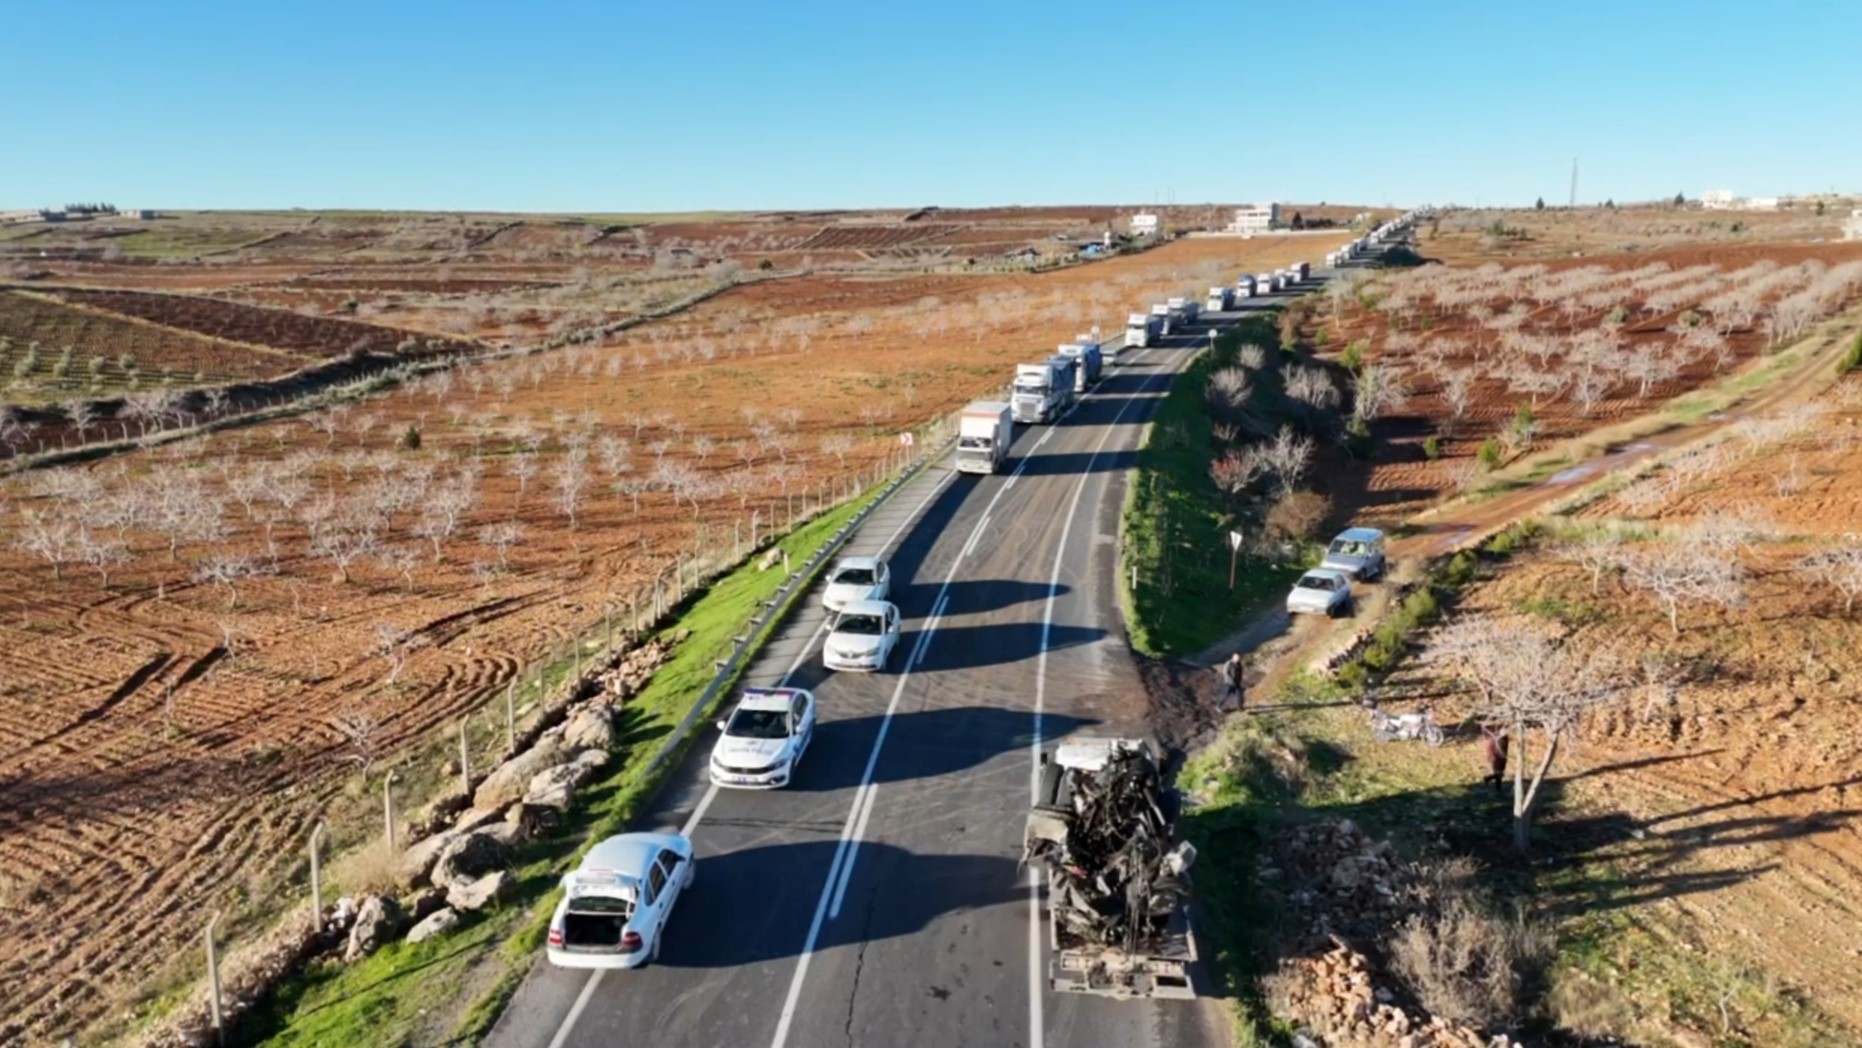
[(978, 595), (973, 647), (925, 744), (756, 905)]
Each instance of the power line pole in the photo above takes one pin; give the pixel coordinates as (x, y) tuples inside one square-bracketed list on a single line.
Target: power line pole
[(1574, 182)]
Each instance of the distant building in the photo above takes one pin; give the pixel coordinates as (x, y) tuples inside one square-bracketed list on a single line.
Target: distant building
[(1852, 229), (1144, 225), (1256, 219), (1717, 199), (145, 214), (1766, 203), (51, 215)]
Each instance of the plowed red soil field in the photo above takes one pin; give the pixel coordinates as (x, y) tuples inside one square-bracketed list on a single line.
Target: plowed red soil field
[(316, 337)]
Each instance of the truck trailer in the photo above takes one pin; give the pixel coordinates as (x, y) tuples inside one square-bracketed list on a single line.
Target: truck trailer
[(1264, 283), (1044, 391), (984, 432), (1161, 312), (1103, 825), (1089, 362), (1183, 312), (1221, 299)]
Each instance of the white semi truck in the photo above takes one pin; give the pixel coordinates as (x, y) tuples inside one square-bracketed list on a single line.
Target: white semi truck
[(1182, 312), (1088, 359), (984, 432), (1264, 283), (1044, 391), (1244, 286), (1221, 299), (1142, 331), (1102, 824)]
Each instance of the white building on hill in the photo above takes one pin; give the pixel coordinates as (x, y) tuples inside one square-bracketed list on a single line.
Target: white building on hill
[(1852, 229), (1144, 225), (1717, 199), (1256, 219)]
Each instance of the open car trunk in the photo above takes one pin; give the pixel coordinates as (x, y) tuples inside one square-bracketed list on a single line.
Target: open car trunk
[(594, 931)]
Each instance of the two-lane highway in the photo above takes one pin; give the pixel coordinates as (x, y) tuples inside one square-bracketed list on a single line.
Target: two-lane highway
[(879, 899)]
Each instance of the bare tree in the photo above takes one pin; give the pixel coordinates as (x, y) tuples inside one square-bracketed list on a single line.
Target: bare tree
[(522, 467), (225, 569), (837, 445), (1840, 567), (50, 537), (342, 545), (395, 644), (1532, 683), (101, 555), (359, 730), (1597, 550), (703, 446), (398, 560), (440, 516), (1236, 471), (1376, 389), (82, 414), (501, 537), (1287, 457), (1688, 568), (572, 481), (1458, 391)]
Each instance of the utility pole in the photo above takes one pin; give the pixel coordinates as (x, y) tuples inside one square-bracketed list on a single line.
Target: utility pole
[(1574, 182)]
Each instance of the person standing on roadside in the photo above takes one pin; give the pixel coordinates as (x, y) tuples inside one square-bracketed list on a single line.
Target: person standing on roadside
[(1494, 745), (1232, 684)]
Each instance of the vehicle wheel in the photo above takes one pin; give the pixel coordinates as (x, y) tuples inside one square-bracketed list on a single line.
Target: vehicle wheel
[(1433, 735), (659, 939)]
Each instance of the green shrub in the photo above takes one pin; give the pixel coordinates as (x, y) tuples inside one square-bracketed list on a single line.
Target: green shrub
[(411, 439), (1852, 359), (1490, 454), (1690, 318), (1353, 357), (1432, 447), (1617, 315), (1517, 536), (766, 265)]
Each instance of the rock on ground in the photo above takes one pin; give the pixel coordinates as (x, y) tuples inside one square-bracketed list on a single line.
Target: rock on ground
[(470, 896), (377, 919), (467, 858), (439, 922)]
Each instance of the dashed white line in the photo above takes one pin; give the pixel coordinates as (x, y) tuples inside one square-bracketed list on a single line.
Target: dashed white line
[(575, 1010)]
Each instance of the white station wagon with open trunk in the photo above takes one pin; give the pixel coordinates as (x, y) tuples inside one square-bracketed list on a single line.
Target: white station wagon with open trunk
[(615, 905)]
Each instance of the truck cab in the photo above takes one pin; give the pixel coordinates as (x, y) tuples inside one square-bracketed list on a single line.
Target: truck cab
[(1161, 314), (1220, 299)]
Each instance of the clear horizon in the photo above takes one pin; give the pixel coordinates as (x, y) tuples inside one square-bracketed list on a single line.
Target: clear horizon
[(589, 108)]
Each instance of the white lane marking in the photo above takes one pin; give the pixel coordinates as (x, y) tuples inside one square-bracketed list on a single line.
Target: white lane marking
[(711, 791), (981, 527), (829, 886), (1037, 1021), (575, 1010), (853, 851)]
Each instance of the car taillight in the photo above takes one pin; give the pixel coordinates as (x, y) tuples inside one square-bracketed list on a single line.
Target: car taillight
[(630, 941), (555, 936)]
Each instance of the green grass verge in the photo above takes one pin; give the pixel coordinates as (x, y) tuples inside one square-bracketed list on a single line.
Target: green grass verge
[(1175, 525), (392, 997)]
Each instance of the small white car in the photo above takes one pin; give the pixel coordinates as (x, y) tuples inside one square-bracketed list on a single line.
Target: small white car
[(615, 905), (857, 578), (1358, 552), (763, 739), (1321, 591), (863, 636)]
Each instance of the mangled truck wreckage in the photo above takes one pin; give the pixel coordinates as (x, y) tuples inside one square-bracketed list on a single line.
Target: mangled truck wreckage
[(1102, 825)]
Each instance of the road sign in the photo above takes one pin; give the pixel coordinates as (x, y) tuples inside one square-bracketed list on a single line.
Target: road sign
[(1234, 551), (1234, 540), (905, 440)]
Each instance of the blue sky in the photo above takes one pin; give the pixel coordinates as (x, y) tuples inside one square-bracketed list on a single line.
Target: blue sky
[(631, 106)]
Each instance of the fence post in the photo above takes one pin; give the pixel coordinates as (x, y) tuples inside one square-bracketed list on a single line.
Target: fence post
[(213, 980), (607, 615), (510, 716), (316, 877), (387, 808), (465, 759)]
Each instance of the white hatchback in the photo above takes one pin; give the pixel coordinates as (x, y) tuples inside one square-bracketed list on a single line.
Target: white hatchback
[(616, 904), (764, 738), (864, 634), (856, 578), (1321, 591)]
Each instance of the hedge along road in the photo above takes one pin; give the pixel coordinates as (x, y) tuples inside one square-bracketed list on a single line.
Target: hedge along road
[(878, 899)]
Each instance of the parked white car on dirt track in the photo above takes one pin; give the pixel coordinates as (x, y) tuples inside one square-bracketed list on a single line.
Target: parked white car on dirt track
[(763, 739), (615, 905), (863, 636), (1321, 591), (856, 578)]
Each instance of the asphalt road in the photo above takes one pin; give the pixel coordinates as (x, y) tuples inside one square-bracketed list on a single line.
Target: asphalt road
[(878, 900)]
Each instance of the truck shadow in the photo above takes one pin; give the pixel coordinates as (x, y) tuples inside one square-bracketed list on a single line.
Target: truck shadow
[(974, 647), (925, 744), (1078, 462), (978, 595), (757, 905)]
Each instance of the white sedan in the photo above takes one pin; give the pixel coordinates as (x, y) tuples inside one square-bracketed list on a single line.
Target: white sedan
[(764, 738), (1321, 591), (864, 634), (856, 578), (615, 905)]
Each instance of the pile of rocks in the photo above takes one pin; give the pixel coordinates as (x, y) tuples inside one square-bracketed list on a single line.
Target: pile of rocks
[(1344, 888), (1338, 1002)]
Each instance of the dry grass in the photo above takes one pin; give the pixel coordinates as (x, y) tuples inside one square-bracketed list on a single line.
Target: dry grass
[(1463, 960), (369, 870)]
